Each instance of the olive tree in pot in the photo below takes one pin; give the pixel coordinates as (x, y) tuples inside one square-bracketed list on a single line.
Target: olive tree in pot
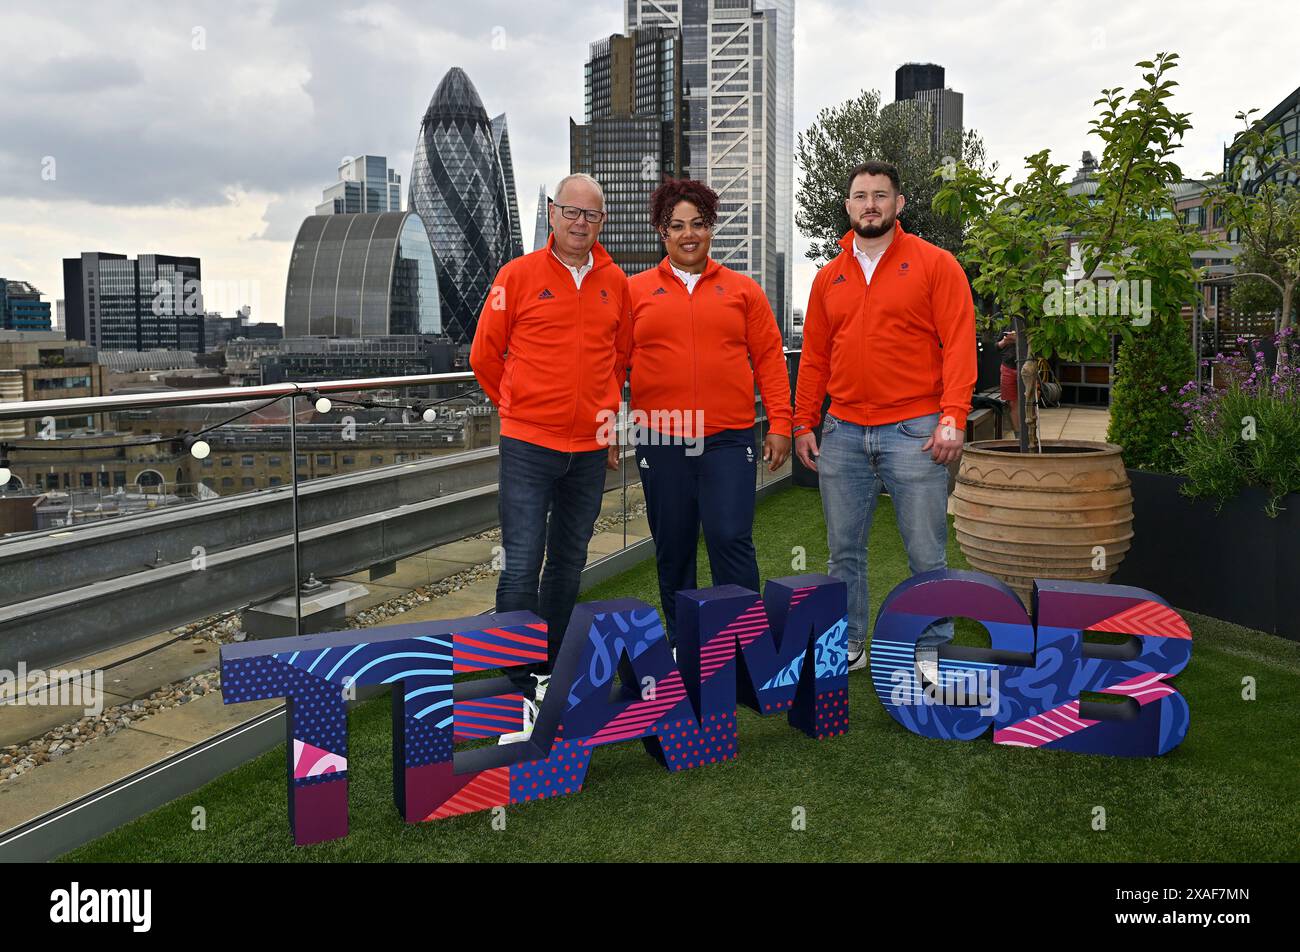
[(1063, 509)]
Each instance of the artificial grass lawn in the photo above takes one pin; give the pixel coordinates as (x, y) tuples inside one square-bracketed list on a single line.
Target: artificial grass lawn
[(878, 793)]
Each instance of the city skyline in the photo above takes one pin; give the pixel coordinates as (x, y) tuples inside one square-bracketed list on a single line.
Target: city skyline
[(233, 189)]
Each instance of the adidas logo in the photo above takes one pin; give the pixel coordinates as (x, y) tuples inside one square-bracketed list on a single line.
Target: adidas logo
[(839, 279), (719, 290), (660, 291), (644, 464), (546, 295)]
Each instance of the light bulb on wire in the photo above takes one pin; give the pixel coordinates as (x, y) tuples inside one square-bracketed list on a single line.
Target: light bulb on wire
[(196, 446)]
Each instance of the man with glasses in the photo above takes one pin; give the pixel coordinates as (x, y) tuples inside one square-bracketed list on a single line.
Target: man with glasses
[(890, 335), (550, 351)]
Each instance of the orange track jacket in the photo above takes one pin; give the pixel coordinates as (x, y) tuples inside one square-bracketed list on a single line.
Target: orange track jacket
[(901, 347), (553, 357), (692, 352)]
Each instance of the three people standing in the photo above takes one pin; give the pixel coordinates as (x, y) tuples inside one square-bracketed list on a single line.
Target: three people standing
[(889, 335)]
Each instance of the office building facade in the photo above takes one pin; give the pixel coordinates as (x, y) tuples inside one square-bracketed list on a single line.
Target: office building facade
[(542, 227), (361, 276), (458, 189), (43, 365), (501, 138), (113, 302), (731, 71), (21, 307), (633, 136), (924, 83), (366, 185)]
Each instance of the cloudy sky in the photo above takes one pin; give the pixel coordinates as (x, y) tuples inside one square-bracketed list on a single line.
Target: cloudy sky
[(210, 128)]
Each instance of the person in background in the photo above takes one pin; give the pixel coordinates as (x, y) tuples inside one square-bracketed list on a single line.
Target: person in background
[(702, 336), (550, 351), (1007, 376), (890, 335)]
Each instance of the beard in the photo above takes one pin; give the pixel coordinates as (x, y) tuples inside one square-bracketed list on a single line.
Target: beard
[(884, 226)]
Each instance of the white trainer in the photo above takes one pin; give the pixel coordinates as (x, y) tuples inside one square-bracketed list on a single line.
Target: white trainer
[(927, 664), (858, 657), (531, 709)]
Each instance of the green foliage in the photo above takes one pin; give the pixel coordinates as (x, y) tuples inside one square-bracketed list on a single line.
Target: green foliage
[(861, 129), (1018, 244), (1253, 295), (1144, 418), (1244, 435), (1020, 236)]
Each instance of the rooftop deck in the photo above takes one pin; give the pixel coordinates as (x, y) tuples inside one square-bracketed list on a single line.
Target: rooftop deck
[(878, 793)]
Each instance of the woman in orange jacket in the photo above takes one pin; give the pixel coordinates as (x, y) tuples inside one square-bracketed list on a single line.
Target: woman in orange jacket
[(702, 336)]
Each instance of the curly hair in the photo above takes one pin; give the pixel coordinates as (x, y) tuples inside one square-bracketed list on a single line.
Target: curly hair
[(666, 197)]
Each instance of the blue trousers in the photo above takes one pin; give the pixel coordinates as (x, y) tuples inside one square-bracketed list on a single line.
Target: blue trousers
[(686, 488), (856, 462), (548, 502)]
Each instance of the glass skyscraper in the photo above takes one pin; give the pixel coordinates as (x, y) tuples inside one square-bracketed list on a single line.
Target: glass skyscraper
[(739, 99), (458, 188), (501, 136), (924, 83), (542, 226), (633, 137), (366, 185), (362, 276)]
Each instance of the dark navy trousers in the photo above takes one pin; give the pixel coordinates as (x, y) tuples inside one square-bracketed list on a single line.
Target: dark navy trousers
[(686, 488)]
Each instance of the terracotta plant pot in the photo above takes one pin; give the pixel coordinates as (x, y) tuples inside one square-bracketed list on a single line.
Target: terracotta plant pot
[(1064, 513)]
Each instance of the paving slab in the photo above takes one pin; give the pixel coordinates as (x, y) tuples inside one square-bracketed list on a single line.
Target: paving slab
[(604, 543), (167, 665), (80, 772), (477, 597), (467, 551), (201, 718)]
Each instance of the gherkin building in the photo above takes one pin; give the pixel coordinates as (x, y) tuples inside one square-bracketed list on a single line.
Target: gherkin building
[(458, 188)]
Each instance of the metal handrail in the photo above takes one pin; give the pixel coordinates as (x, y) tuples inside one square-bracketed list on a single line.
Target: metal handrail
[(29, 409), (34, 409)]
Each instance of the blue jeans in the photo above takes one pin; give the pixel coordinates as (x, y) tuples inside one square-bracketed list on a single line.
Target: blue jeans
[(535, 483), (855, 463)]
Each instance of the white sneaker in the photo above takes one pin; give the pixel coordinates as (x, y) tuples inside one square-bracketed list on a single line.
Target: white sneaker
[(531, 709), (857, 659), (927, 664)]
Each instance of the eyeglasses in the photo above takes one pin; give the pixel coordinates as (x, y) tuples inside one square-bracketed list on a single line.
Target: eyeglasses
[(572, 212)]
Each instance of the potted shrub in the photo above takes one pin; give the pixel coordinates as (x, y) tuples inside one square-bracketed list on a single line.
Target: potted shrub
[(1229, 511), (1062, 509)]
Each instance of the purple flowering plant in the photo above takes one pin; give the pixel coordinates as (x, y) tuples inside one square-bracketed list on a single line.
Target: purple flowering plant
[(1243, 429)]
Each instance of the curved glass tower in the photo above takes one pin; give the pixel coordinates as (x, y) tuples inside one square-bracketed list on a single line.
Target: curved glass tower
[(458, 189), (362, 276)]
